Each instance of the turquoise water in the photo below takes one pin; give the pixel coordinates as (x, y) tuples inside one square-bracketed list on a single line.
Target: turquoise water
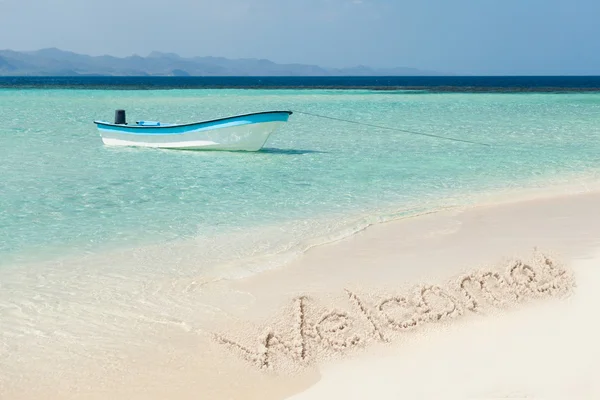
[(63, 193)]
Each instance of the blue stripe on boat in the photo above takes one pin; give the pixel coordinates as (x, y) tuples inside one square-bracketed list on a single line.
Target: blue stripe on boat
[(167, 129)]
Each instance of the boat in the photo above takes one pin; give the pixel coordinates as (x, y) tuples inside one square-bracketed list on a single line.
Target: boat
[(246, 132)]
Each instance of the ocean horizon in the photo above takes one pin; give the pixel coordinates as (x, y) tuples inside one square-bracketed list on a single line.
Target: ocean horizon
[(455, 83)]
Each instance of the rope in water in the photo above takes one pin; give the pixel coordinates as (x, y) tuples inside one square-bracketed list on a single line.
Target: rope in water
[(394, 129)]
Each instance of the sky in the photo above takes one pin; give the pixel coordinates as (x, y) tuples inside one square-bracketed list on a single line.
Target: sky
[(480, 37)]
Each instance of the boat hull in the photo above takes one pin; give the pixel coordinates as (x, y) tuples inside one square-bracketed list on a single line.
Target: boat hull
[(240, 133)]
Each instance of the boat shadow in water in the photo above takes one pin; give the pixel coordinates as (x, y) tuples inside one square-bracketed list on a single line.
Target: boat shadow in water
[(264, 150), (274, 150)]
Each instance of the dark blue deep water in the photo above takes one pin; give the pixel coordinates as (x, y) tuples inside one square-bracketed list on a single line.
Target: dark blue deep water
[(430, 83)]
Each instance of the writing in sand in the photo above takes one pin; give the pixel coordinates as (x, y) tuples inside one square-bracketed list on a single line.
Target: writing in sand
[(308, 331)]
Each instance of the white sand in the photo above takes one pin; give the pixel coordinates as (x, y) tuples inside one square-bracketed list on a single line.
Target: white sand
[(533, 336), (543, 351), (543, 348)]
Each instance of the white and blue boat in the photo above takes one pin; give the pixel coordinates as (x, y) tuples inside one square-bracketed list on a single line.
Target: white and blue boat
[(247, 132)]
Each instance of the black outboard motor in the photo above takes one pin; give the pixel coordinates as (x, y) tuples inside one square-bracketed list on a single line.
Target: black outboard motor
[(120, 117)]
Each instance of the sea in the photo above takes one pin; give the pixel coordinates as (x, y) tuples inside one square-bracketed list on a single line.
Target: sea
[(63, 194)]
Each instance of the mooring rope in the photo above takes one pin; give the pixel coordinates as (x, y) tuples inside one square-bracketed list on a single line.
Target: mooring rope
[(394, 129)]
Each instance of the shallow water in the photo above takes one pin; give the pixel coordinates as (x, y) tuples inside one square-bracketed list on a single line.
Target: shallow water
[(64, 193)]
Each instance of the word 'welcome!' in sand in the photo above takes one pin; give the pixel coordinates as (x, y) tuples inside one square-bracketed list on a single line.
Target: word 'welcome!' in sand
[(308, 331)]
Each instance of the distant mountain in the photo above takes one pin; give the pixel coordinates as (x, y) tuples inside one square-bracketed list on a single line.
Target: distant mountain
[(55, 62)]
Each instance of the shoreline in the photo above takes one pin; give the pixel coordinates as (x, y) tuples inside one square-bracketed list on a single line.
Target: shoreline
[(157, 341), (355, 224)]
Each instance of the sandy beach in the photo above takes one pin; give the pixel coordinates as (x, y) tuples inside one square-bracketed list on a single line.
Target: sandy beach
[(533, 341), (494, 301)]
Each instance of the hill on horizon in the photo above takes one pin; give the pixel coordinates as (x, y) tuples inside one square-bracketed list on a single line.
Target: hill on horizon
[(56, 62)]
